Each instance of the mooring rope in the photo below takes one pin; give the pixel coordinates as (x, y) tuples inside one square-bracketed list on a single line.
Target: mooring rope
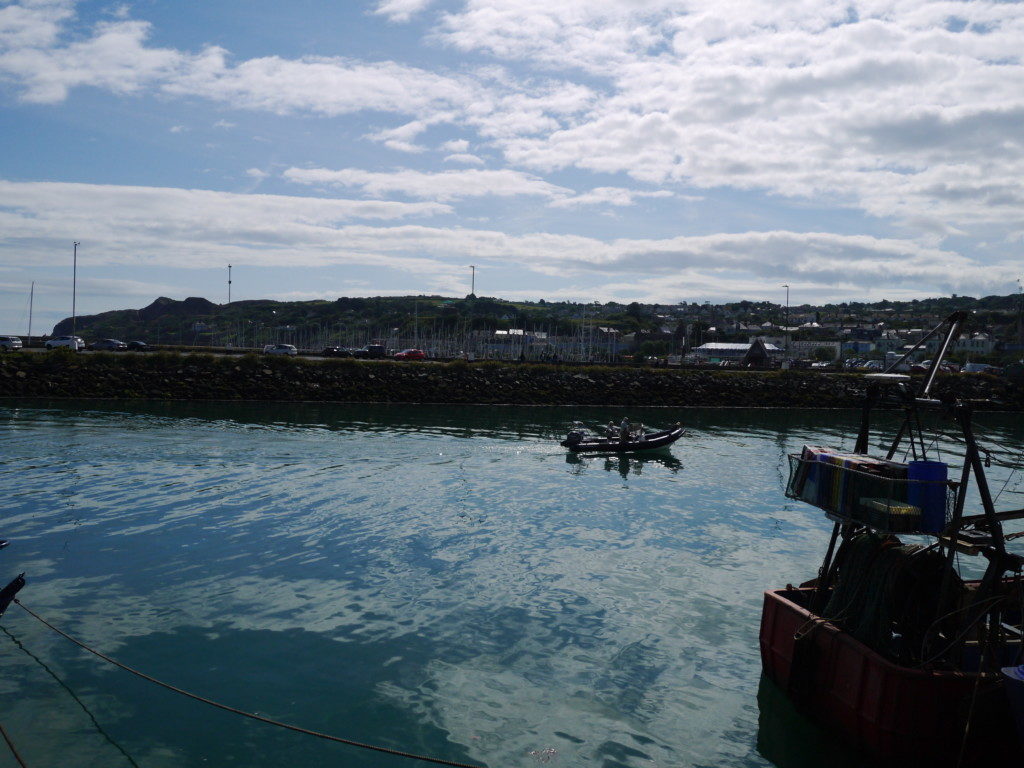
[(72, 694), (233, 710), (10, 745)]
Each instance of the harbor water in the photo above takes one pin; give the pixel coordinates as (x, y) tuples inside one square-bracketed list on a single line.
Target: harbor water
[(441, 580)]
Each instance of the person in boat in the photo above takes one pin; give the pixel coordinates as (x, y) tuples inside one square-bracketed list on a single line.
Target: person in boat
[(624, 429), (611, 431)]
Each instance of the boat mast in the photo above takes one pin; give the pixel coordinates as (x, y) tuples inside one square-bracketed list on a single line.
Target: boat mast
[(31, 298), (923, 397)]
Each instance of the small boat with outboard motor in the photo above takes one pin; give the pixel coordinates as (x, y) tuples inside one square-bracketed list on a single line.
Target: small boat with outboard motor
[(897, 645), (625, 438)]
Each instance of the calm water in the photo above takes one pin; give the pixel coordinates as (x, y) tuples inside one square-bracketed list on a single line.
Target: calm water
[(442, 580)]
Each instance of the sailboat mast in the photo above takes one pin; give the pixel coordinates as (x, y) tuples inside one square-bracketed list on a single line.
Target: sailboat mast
[(31, 298)]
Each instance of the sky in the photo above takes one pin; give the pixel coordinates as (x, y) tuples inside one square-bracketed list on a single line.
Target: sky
[(586, 150)]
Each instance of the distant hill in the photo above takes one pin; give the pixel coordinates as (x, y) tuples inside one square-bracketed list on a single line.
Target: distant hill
[(355, 321)]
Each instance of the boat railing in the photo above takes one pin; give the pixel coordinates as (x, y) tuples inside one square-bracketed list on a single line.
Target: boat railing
[(853, 488)]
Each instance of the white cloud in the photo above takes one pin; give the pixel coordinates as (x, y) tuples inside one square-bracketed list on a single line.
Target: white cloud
[(908, 112), (117, 58), (177, 129), (455, 185), (401, 10), (256, 173), (859, 104), (444, 186), (130, 226), (191, 224), (401, 138), (465, 158), (618, 196), (224, 124), (884, 106), (114, 58), (317, 85), (32, 25)]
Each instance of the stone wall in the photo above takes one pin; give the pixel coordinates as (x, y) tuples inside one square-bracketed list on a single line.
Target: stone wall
[(169, 376)]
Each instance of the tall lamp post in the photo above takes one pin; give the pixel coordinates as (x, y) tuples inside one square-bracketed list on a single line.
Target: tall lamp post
[(229, 283), (472, 280), (1020, 312), (74, 287), (786, 286)]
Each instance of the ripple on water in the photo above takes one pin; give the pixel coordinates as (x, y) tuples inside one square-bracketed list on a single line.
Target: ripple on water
[(445, 580)]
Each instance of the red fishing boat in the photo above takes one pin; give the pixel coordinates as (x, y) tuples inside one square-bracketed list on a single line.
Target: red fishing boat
[(889, 646)]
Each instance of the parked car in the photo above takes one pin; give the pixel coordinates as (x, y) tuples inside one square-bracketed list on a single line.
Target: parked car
[(336, 352), (411, 354), (71, 342), (980, 368), (280, 349), (370, 351), (925, 365), (10, 343), (107, 345), (138, 346)]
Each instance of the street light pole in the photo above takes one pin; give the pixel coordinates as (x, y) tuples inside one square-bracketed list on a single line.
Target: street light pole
[(472, 281), (229, 283), (74, 288), (1020, 312), (786, 286)]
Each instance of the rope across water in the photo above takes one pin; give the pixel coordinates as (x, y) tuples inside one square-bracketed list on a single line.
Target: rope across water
[(233, 710)]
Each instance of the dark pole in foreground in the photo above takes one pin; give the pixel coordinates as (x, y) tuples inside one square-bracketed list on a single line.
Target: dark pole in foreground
[(74, 288), (229, 283)]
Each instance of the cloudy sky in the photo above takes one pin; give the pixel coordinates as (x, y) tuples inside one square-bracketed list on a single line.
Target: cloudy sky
[(633, 150)]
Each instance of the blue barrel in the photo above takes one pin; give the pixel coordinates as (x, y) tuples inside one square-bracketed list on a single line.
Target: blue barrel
[(929, 494), (1013, 682)]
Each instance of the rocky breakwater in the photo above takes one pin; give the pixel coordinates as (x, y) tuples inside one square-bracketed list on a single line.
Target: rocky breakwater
[(167, 376)]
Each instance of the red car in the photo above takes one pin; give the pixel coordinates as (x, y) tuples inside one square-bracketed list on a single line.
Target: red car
[(411, 354)]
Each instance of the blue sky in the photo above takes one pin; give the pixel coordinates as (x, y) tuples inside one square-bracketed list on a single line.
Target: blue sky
[(633, 150)]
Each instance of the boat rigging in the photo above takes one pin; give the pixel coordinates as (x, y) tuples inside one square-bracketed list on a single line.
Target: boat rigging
[(890, 645)]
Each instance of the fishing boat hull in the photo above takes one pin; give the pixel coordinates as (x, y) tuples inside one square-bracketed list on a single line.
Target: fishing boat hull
[(890, 712), (655, 441)]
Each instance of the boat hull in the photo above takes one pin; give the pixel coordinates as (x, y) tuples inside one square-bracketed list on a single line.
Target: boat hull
[(892, 713), (655, 441)]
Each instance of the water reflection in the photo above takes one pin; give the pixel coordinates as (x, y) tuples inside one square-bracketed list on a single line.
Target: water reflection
[(789, 740), (743, 427), (624, 464), (449, 571), (75, 697)]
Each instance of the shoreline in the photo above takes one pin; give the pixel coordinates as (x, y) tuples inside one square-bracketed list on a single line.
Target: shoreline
[(185, 378)]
